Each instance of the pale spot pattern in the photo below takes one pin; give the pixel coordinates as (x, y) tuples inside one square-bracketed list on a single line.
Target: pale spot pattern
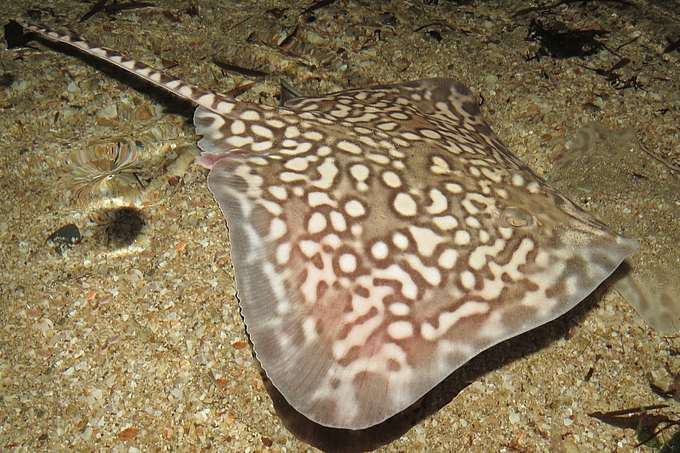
[(382, 237)]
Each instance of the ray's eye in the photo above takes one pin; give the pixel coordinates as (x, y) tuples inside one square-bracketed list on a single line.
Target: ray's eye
[(517, 217)]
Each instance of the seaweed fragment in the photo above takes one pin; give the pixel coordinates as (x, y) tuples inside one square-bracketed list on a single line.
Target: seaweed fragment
[(591, 370), (438, 30), (532, 9), (248, 72), (615, 79), (112, 9), (457, 2), (308, 14), (632, 418), (126, 6), (646, 425), (97, 7), (557, 40)]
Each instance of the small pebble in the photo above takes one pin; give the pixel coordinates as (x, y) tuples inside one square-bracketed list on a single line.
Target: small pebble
[(64, 238)]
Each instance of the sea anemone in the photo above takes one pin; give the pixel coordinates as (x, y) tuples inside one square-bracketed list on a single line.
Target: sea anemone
[(105, 169)]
